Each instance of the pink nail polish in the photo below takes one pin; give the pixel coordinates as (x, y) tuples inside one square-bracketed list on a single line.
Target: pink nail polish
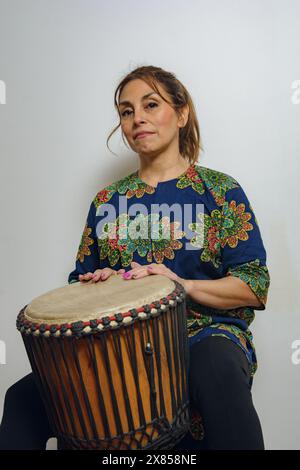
[(126, 275)]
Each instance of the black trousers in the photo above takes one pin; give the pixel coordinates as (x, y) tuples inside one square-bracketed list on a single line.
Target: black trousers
[(219, 378), (220, 390)]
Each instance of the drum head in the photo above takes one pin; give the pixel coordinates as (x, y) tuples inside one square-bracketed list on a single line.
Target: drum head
[(86, 301)]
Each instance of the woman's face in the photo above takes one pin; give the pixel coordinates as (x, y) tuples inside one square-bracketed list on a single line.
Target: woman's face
[(150, 114)]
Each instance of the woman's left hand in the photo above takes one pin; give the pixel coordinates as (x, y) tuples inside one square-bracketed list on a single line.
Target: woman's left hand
[(139, 270)]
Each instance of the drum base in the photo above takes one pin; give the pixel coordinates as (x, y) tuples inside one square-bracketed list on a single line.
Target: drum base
[(138, 439)]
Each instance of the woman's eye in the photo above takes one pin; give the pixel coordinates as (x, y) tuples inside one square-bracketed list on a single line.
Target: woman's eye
[(155, 104), (125, 113)]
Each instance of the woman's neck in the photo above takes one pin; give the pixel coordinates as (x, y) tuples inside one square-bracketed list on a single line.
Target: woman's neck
[(159, 172)]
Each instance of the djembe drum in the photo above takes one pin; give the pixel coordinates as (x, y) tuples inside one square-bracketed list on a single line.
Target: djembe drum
[(111, 362)]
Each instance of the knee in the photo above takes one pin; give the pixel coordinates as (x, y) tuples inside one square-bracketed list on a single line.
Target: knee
[(216, 364), (21, 389)]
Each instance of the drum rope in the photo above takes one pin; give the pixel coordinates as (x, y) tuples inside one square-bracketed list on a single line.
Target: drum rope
[(118, 351), (103, 414), (84, 392), (170, 368), (103, 342), (133, 359), (66, 398), (74, 394)]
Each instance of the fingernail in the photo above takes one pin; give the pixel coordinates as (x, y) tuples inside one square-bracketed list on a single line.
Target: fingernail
[(150, 267), (126, 275)]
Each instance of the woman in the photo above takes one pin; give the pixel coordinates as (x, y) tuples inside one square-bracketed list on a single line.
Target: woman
[(221, 262)]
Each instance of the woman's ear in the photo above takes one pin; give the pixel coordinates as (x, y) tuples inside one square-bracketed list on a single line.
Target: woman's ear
[(184, 115)]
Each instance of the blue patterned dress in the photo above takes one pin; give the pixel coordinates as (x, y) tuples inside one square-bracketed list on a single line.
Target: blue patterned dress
[(219, 228)]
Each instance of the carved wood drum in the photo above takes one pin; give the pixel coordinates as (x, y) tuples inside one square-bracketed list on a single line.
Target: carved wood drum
[(111, 362)]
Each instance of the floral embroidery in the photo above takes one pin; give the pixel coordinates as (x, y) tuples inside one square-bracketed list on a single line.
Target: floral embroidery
[(162, 247), (195, 325), (191, 178), (137, 187), (85, 242), (218, 183), (255, 275), (110, 244), (245, 338), (207, 238), (197, 321), (104, 195), (244, 313), (232, 329), (114, 245), (195, 176), (129, 186), (235, 224)]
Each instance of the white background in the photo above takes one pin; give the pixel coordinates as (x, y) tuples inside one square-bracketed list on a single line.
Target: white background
[(61, 61)]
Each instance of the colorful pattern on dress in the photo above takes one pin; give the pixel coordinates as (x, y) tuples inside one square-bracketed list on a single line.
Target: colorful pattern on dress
[(86, 241), (225, 240), (115, 248), (211, 239)]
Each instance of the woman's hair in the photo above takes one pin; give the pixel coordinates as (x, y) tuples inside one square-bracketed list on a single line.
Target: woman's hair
[(189, 136)]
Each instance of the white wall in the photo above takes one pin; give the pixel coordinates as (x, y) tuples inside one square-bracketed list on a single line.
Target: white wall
[(61, 60)]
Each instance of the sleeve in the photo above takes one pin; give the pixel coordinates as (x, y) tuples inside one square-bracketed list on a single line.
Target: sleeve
[(87, 259), (242, 249)]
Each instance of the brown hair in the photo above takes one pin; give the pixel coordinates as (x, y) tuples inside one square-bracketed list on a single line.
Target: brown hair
[(189, 136)]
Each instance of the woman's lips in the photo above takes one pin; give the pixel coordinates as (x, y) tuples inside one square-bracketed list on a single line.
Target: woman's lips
[(145, 134)]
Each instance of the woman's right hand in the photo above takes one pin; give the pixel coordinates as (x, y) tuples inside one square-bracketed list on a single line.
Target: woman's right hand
[(99, 274)]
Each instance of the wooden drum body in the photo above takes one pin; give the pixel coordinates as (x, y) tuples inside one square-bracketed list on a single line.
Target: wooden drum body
[(111, 362)]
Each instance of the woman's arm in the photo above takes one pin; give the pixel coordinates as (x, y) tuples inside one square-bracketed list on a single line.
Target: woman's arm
[(246, 279), (225, 293)]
